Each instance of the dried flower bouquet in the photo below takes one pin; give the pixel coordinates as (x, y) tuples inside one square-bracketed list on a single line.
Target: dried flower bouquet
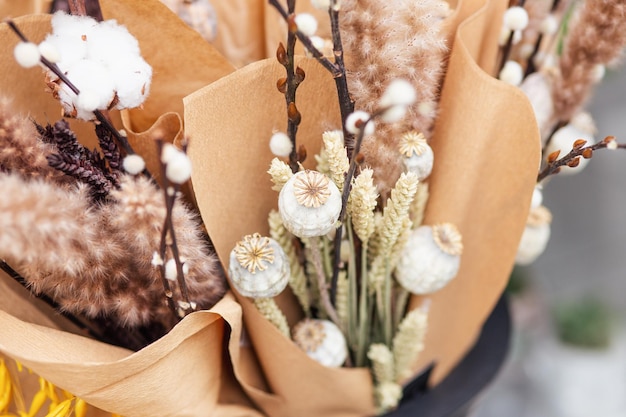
[(234, 359)]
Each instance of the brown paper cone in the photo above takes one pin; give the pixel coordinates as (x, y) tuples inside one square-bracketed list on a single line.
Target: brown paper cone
[(182, 61), (486, 147), (230, 123), (179, 375)]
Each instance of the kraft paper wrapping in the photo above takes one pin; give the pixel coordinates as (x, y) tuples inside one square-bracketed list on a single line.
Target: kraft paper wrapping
[(486, 142), (486, 146)]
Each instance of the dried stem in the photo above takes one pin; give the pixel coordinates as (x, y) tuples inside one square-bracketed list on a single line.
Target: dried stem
[(347, 187), (346, 104), (77, 7), (168, 240), (576, 153), (321, 282), (337, 69)]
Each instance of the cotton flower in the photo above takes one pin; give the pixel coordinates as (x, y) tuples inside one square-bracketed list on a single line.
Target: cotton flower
[(49, 51), (322, 341), (280, 144), (26, 54), (100, 56), (309, 204), (259, 267), (307, 24), (535, 237), (133, 164), (356, 118), (431, 258)]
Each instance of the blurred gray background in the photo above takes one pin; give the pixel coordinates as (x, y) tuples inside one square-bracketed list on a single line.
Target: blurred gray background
[(586, 256)]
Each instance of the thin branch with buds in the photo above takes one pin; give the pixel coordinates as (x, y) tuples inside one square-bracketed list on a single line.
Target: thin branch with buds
[(168, 241), (572, 159)]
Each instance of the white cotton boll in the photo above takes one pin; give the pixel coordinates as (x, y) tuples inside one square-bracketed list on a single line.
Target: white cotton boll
[(321, 4), (399, 92), (356, 117), (512, 73), (78, 27), (178, 168), (91, 76), (132, 77), (26, 54), (549, 26), (49, 51), (307, 23), (170, 270), (133, 164), (280, 144), (109, 41), (516, 18), (71, 49), (87, 100)]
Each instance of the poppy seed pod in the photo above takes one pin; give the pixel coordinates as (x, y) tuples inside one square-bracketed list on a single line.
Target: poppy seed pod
[(430, 259), (259, 267), (322, 341), (309, 204)]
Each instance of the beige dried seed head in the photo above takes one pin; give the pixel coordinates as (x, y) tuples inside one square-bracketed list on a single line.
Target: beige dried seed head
[(448, 238), (254, 253), (312, 189), (413, 143)]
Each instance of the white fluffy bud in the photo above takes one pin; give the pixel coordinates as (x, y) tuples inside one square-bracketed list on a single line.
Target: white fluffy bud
[(178, 168), (133, 164), (516, 18), (359, 116), (512, 73), (280, 144), (26, 54), (306, 23)]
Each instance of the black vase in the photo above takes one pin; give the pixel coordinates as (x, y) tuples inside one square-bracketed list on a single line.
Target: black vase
[(454, 396)]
